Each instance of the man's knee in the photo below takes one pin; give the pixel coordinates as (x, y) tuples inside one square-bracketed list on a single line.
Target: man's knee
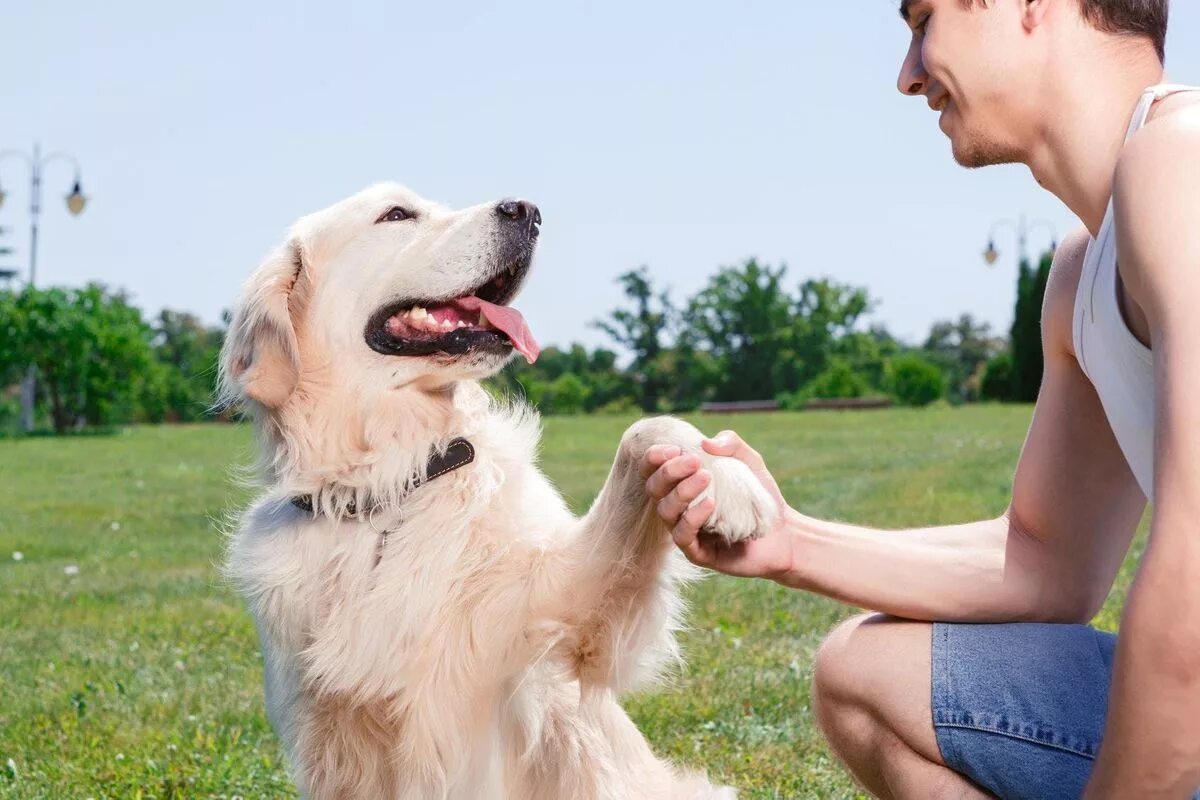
[(837, 684), (862, 667)]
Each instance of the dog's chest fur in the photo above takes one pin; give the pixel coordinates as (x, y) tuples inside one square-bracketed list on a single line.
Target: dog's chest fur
[(376, 607)]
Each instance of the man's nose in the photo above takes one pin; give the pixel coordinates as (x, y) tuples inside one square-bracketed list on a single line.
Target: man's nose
[(521, 212), (913, 78)]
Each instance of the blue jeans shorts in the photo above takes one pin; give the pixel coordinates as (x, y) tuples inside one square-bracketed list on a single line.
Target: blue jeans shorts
[(1019, 709)]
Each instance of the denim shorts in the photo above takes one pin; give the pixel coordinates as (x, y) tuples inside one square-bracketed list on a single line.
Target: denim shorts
[(1019, 709)]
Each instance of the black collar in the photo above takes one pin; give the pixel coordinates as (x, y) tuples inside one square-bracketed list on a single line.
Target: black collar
[(457, 454)]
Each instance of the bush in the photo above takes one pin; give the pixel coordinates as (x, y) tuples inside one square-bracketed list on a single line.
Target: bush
[(915, 381), (566, 394), (837, 380), (621, 407), (997, 381)]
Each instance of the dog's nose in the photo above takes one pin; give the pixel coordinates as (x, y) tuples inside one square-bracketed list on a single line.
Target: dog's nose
[(520, 211)]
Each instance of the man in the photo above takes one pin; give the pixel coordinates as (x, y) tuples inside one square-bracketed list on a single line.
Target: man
[(918, 702)]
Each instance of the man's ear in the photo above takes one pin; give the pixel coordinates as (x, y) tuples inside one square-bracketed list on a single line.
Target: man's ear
[(260, 360), (1033, 12)]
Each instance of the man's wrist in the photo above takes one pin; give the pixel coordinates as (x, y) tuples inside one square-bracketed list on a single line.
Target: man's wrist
[(796, 528)]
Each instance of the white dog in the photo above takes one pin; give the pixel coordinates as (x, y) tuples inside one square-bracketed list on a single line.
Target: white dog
[(434, 621)]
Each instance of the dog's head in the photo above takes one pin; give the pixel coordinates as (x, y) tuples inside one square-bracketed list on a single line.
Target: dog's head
[(381, 291)]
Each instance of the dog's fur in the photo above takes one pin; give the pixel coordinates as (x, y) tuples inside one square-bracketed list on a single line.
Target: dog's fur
[(478, 649)]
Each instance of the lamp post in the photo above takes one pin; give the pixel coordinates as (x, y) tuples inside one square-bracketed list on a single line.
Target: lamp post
[(1023, 229), (75, 204)]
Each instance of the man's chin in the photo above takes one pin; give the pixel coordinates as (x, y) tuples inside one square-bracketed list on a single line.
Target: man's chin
[(973, 153)]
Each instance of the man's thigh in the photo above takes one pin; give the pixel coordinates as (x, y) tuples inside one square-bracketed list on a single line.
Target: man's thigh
[(1020, 708)]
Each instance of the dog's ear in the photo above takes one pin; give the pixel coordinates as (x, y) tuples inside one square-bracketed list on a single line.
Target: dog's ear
[(260, 360)]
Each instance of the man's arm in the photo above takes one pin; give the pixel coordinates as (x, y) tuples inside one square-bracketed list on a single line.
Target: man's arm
[(1051, 557), (1152, 741)]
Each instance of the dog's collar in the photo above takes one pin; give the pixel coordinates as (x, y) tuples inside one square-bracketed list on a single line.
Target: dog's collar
[(457, 454)]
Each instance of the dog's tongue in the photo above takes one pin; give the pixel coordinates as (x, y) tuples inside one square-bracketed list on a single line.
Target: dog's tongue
[(508, 320)]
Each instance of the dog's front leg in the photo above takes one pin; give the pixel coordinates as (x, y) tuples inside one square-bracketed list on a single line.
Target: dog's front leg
[(615, 581)]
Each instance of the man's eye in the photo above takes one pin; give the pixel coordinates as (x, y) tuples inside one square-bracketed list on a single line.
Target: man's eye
[(924, 23), (396, 214)]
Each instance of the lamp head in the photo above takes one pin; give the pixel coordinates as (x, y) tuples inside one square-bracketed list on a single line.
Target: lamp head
[(991, 254), (76, 201)]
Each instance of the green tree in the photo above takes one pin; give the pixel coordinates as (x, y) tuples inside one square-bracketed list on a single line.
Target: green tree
[(961, 347), (603, 382), (766, 342), (742, 318), (187, 352), (693, 374), (998, 378), (642, 330), (1026, 334), (915, 380), (91, 350), (824, 315), (868, 354)]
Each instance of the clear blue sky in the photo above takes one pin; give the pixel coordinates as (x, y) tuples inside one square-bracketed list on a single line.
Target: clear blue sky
[(681, 135)]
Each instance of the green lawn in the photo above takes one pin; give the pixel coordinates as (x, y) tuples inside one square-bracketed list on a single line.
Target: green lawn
[(139, 676)]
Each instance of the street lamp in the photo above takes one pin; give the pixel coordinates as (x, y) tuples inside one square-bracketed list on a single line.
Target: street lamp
[(1022, 228), (75, 204)]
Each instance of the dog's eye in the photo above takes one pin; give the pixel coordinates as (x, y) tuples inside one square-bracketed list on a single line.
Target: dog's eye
[(396, 214)]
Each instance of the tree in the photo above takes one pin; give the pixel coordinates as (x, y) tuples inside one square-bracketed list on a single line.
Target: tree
[(693, 374), (188, 349), (1026, 335), (90, 348), (960, 347), (998, 378), (766, 342), (602, 382), (742, 319), (868, 354), (915, 380), (641, 331), (823, 319)]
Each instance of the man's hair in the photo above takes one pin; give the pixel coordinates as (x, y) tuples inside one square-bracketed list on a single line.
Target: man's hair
[(1146, 18)]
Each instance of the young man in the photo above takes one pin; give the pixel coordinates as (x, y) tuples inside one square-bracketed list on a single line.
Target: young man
[(919, 702)]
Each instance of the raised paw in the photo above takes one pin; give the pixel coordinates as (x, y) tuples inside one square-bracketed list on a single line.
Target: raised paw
[(744, 510)]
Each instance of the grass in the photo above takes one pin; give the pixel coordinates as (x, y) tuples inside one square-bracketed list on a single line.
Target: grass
[(127, 670)]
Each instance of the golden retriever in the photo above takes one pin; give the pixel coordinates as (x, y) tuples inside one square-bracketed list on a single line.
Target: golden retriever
[(457, 635)]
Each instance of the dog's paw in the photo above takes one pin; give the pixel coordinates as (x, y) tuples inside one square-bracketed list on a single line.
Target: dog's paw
[(744, 509)]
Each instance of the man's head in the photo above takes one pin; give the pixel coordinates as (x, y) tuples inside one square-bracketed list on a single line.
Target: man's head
[(982, 63)]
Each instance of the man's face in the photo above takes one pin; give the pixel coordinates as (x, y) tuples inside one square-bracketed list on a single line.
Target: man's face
[(967, 61)]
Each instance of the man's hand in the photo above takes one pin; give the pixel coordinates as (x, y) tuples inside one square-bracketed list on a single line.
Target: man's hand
[(675, 479)]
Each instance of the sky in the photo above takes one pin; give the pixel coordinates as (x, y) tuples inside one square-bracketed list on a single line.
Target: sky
[(683, 136)]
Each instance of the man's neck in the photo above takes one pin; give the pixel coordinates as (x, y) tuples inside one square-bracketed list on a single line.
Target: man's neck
[(1076, 151)]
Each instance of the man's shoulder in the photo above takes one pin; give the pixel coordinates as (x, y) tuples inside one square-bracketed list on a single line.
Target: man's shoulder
[(1058, 306), (1156, 200)]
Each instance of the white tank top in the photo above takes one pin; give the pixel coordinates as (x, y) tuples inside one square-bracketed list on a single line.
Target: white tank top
[(1114, 360)]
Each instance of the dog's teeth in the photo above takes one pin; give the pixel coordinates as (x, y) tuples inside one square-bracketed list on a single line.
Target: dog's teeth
[(447, 325), (462, 323), (418, 313), (483, 320)]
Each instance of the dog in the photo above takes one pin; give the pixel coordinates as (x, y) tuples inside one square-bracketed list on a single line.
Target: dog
[(434, 621)]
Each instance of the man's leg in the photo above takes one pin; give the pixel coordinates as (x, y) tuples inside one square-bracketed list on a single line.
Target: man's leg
[(953, 710), (871, 695)]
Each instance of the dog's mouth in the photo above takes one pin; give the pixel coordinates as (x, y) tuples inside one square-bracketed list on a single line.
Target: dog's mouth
[(476, 322)]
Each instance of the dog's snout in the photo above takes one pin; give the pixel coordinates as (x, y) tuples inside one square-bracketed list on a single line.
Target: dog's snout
[(520, 211)]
